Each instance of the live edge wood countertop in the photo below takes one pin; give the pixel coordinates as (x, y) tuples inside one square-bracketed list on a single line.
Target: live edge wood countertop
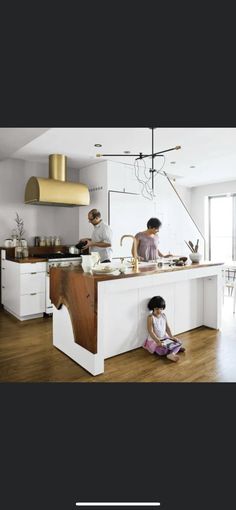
[(78, 292)]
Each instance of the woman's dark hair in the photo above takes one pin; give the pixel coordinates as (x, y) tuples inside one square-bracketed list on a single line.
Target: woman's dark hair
[(153, 223), (156, 302)]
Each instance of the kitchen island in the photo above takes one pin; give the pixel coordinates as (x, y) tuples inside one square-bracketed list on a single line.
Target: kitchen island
[(99, 316)]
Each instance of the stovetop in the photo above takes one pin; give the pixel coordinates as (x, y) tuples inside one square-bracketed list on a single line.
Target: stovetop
[(56, 255)]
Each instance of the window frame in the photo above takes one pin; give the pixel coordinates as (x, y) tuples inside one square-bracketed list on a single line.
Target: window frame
[(223, 195)]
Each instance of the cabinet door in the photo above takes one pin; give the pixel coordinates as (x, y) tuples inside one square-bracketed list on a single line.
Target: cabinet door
[(32, 304), (3, 276), (3, 283), (34, 282), (3, 295)]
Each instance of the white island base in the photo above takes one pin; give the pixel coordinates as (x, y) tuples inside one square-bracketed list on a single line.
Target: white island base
[(193, 299)]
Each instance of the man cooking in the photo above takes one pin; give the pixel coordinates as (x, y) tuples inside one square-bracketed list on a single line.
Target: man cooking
[(101, 239)]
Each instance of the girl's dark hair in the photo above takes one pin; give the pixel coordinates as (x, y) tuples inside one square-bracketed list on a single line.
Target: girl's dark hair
[(153, 223), (156, 302)]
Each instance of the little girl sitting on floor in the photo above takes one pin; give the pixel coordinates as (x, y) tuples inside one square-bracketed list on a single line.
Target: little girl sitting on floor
[(160, 339)]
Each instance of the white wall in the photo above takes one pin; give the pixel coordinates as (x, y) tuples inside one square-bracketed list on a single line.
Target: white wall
[(38, 220), (176, 223), (96, 178), (113, 176)]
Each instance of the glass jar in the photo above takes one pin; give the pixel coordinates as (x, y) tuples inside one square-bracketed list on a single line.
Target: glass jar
[(18, 252), (42, 241), (25, 252), (57, 241), (14, 240), (48, 241)]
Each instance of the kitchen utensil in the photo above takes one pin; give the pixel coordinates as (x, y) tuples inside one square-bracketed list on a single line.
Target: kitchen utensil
[(196, 247), (104, 270), (73, 250), (191, 246), (188, 246), (81, 244)]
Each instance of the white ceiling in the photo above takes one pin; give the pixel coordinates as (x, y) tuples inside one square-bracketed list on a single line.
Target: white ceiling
[(12, 139), (211, 150)]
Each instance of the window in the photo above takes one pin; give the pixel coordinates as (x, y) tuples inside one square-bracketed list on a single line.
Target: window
[(222, 231)]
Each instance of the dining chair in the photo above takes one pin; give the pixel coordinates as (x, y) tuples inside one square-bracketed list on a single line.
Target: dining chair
[(229, 282)]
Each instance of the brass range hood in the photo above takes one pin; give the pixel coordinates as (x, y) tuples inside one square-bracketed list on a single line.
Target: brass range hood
[(56, 190)]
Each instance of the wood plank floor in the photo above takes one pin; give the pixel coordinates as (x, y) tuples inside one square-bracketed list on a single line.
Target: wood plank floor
[(27, 355)]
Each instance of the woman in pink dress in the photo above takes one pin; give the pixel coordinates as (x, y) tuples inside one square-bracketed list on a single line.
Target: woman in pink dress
[(160, 339), (147, 242)]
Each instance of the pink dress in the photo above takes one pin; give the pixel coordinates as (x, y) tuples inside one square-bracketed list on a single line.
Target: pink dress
[(148, 246), (169, 346)]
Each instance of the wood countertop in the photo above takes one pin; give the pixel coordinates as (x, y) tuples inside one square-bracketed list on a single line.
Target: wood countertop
[(143, 271), (27, 260), (77, 290)]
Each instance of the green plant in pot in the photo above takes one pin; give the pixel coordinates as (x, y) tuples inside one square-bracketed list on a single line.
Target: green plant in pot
[(194, 256), (20, 232)]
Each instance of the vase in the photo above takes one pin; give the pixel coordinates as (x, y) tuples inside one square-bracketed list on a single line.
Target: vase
[(195, 257)]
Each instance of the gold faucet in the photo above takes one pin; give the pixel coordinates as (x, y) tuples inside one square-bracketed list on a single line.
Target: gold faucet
[(135, 251)]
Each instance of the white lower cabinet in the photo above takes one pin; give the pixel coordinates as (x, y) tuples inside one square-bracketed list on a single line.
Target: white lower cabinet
[(32, 304), (23, 289)]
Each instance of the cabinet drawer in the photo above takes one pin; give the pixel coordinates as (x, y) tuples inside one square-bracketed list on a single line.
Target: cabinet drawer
[(32, 303), (32, 283), (34, 267)]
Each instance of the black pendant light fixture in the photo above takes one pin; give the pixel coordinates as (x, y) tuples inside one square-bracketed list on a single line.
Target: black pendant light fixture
[(141, 156)]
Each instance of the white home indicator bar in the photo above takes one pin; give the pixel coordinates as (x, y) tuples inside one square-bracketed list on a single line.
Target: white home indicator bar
[(152, 503)]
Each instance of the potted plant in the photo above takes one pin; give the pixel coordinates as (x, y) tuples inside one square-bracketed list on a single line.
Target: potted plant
[(194, 256), (20, 232)]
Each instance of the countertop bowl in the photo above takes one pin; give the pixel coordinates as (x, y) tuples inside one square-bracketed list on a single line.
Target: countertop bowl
[(195, 257)]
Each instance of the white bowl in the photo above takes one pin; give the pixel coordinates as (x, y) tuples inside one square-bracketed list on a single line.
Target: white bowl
[(195, 257)]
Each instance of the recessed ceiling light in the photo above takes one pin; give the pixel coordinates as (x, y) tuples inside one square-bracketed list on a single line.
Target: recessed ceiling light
[(97, 145), (172, 162), (126, 152), (192, 166)]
